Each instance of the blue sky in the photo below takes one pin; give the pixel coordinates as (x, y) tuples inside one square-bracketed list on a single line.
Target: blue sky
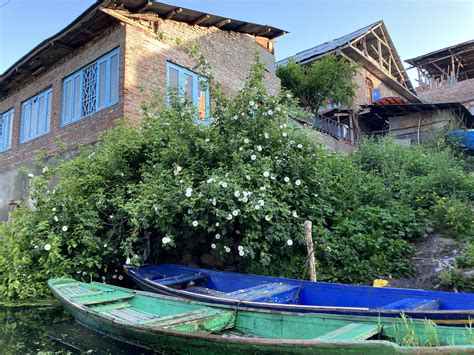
[(415, 26)]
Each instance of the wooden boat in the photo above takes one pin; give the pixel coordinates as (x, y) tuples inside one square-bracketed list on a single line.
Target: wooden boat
[(165, 323), (263, 292)]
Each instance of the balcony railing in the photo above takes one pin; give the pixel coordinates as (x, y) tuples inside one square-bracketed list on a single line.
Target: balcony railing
[(334, 128)]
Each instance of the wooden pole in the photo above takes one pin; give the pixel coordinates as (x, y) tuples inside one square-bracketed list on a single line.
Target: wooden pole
[(308, 227)]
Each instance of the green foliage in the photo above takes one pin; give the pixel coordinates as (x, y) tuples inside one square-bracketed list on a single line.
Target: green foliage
[(433, 182), (326, 81)]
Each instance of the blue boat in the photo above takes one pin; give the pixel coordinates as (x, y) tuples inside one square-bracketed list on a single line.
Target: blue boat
[(465, 138), (279, 294)]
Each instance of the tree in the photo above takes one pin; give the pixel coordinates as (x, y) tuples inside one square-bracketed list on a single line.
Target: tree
[(326, 81)]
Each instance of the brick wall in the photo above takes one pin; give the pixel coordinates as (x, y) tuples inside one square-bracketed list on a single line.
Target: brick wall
[(82, 132), (462, 91), (230, 56)]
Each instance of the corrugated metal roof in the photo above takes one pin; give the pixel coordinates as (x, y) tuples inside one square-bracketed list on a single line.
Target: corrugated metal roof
[(328, 46)]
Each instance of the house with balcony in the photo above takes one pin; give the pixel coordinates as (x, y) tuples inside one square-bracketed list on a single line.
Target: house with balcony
[(79, 83)]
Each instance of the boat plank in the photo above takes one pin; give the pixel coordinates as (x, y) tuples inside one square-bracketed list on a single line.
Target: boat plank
[(351, 332), (414, 304)]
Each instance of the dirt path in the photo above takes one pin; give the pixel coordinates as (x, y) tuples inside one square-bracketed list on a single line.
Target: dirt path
[(433, 253)]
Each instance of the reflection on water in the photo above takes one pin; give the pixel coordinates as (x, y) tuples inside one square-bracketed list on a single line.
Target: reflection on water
[(50, 329)]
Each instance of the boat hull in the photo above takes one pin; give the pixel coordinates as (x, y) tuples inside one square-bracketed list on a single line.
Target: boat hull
[(454, 317)]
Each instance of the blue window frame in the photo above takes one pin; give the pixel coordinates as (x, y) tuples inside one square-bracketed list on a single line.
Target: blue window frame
[(6, 120), (194, 87), (36, 116), (92, 88)]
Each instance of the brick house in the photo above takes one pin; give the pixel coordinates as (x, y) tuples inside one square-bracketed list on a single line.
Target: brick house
[(76, 85)]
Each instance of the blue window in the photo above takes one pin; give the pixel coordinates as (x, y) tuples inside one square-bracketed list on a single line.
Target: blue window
[(36, 116), (92, 88), (194, 87), (6, 119)]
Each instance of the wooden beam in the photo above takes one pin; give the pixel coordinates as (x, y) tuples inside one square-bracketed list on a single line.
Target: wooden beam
[(239, 28), (62, 45), (144, 7), (379, 46), (201, 19), (127, 18), (222, 23), (173, 13), (264, 32)]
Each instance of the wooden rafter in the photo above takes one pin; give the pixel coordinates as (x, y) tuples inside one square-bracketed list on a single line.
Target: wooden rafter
[(264, 32), (144, 7), (130, 19), (173, 13), (223, 23), (201, 19)]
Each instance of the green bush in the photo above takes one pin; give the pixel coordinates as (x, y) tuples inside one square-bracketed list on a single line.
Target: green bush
[(454, 218)]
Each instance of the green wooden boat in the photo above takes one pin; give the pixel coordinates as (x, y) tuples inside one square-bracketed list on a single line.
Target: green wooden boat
[(164, 323)]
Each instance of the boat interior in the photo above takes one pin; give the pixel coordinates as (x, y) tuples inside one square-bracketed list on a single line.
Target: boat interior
[(135, 309), (286, 291)]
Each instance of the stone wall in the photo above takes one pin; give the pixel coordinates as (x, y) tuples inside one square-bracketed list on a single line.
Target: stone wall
[(462, 91)]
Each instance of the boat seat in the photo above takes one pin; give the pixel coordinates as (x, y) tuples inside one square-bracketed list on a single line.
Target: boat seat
[(269, 292), (93, 298), (204, 291), (206, 320), (414, 304), (180, 279), (351, 332)]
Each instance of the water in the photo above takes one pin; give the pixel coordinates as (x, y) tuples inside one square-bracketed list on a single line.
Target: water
[(51, 330)]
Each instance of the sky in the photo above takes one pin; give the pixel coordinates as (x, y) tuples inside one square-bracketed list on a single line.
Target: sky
[(415, 26)]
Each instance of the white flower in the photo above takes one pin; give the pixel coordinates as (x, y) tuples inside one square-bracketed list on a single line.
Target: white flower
[(273, 177), (214, 201), (240, 247), (195, 223), (261, 202), (189, 192), (267, 218), (217, 236), (246, 141), (47, 247), (295, 214), (53, 209), (241, 149), (286, 179), (229, 216), (253, 157), (207, 140), (266, 174), (247, 177), (103, 278), (181, 181), (213, 246), (30, 175), (45, 169), (224, 185), (257, 207), (251, 103), (177, 170), (299, 146), (56, 219), (289, 242), (288, 96), (190, 211), (166, 240), (105, 245), (284, 125), (266, 135), (120, 277), (127, 262), (64, 228), (226, 248), (259, 148), (270, 112), (235, 117), (245, 199), (284, 134), (298, 182), (122, 174), (237, 193), (111, 216), (235, 212), (217, 224), (241, 253), (210, 180), (114, 277), (263, 188)]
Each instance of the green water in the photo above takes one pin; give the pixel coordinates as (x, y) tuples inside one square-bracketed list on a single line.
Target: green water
[(51, 330)]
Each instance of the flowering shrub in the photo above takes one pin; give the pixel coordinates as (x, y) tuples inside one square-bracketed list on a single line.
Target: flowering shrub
[(237, 191)]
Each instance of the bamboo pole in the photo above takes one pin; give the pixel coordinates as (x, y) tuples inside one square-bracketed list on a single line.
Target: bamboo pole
[(308, 227)]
